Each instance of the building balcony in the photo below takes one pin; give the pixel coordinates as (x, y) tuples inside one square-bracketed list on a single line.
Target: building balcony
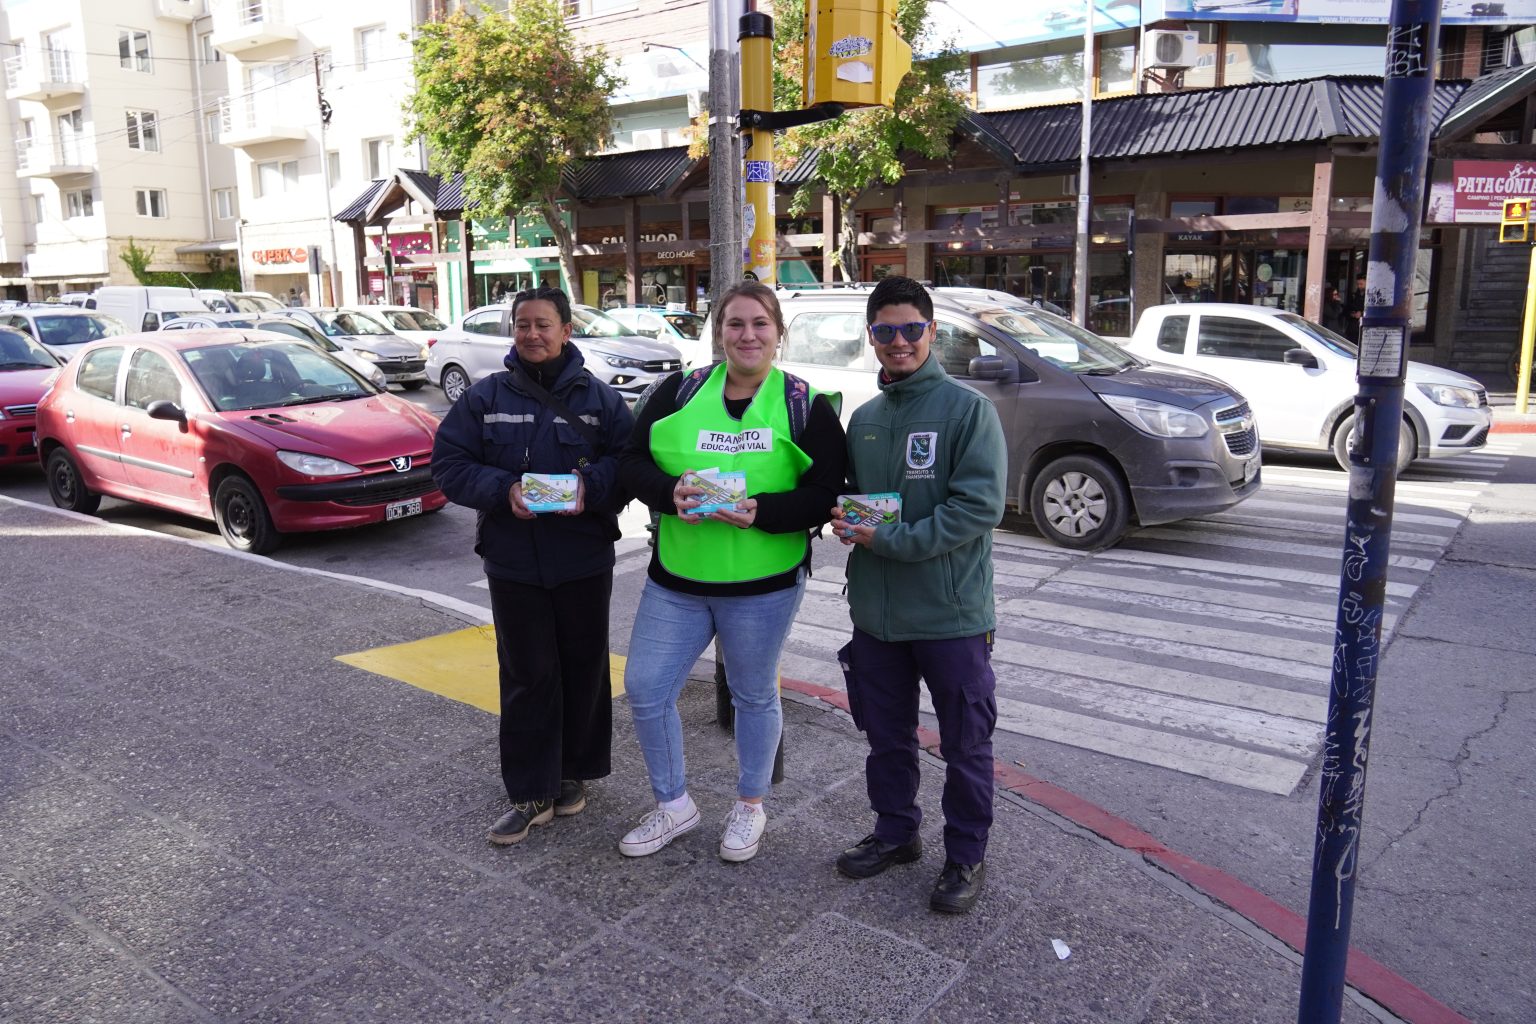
[(49, 76), (252, 120), (37, 159), (240, 25), (177, 10)]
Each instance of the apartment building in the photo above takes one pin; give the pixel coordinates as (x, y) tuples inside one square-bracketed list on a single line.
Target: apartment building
[(104, 103), (298, 160)]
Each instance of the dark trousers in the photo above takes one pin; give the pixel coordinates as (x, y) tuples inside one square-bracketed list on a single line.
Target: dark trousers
[(883, 696), (556, 701)]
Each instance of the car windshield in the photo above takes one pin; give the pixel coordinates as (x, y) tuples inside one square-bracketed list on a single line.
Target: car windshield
[(355, 324), (53, 329), (297, 330), (1060, 341), (1322, 335), (19, 352), (266, 374), (592, 324), (255, 303), (413, 320), (689, 325)]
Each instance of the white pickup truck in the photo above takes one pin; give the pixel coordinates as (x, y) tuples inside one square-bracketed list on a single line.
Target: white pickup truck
[(1299, 379)]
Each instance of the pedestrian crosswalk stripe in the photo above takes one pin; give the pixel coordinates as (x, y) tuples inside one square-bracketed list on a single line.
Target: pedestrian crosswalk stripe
[(1451, 523), (1268, 572), (1334, 530), (1315, 615), (1279, 655), (1221, 762), (1334, 552), (1292, 737)]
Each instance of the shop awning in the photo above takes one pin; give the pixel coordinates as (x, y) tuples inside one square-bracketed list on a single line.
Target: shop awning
[(202, 248)]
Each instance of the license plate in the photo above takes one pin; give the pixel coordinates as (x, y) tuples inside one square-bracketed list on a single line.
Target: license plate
[(1250, 469), (401, 509), (395, 378)]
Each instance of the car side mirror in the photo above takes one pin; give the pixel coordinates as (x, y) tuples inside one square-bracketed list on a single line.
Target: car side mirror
[(165, 409), (996, 368), (1300, 357)]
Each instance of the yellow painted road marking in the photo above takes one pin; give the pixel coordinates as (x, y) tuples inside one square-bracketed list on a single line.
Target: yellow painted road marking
[(460, 666)]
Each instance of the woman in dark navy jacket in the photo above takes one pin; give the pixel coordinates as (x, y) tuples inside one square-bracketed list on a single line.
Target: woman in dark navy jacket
[(550, 575)]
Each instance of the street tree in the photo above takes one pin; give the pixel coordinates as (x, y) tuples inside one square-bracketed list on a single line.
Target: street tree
[(514, 102), (866, 148)]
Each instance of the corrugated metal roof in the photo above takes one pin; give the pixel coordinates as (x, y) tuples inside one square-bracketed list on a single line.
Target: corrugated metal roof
[(359, 206), (450, 195), (804, 169), (1485, 97), (641, 172), (1203, 120)]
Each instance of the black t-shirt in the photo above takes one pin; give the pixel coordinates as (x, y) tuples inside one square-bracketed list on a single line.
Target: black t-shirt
[(804, 508)]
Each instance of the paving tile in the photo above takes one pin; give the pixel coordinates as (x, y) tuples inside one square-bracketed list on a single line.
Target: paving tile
[(114, 996), (22, 766), (495, 939), (1222, 975), (50, 824), (19, 900), (46, 955), (237, 963), (838, 970), (425, 794), (376, 988), (382, 890)]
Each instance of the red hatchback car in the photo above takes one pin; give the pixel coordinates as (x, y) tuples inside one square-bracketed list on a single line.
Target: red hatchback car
[(260, 432), (25, 369)]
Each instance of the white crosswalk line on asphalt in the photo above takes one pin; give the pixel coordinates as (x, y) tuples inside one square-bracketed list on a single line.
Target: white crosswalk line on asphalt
[(1267, 572), (1452, 523), (1251, 524), (1198, 535)]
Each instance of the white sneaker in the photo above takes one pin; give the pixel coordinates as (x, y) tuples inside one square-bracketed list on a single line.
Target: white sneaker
[(657, 829), (743, 833)]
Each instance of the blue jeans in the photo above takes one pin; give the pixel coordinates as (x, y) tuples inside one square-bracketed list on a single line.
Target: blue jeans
[(671, 631)]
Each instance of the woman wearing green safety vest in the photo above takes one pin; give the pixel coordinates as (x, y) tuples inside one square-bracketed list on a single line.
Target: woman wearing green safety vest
[(735, 574)]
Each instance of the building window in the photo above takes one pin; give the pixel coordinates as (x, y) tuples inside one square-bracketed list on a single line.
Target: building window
[(133, 49), (224, 203), (332, 168), (39, 210), (71, 131), (276, 177), (143, 131), (205, 48), (380, 156), (77, 203), (596, 8), (212, 123), (370, 46), (150, 202)]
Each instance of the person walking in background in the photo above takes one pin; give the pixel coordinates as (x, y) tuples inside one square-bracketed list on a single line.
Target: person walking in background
[(1333, 310), (920, 595), (735, 575), (1354, 310), (550, 575)]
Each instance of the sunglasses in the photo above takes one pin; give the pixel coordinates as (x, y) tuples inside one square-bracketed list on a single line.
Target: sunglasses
[(886, 333)]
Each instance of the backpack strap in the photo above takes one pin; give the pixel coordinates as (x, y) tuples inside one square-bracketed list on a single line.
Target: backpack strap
[(691, 383), (797, 396)]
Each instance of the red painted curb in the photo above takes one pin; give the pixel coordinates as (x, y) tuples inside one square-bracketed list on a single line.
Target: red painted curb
[(1397, 994), (1521, 426)]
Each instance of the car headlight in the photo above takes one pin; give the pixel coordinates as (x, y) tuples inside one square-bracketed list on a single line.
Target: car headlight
[(1157, 418), (377, 378), (367, 354), (315, 465), (424, 351), (1445, 394), (624, 362)]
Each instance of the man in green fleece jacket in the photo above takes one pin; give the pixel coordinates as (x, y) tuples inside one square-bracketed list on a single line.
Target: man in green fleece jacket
[(920, 595)]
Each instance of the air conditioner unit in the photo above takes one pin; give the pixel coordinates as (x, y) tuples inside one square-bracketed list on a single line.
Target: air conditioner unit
[(1171, 49)]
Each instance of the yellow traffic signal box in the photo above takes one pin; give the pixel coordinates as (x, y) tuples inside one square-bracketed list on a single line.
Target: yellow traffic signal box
[(853, 55), (1515, 225)]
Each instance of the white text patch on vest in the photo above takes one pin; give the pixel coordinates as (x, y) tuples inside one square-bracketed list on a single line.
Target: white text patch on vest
[(756, 440)]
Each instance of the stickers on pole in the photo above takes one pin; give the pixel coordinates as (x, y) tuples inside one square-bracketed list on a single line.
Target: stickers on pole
[(759, 171), (1381, 352)]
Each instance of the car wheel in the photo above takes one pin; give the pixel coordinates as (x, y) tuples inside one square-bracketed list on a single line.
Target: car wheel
[(1079, 502), (455, 382), (66, 486), (1344, 443), (242, 516), (413, 385)]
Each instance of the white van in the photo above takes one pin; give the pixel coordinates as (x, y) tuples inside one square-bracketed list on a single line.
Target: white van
[(146, 307)]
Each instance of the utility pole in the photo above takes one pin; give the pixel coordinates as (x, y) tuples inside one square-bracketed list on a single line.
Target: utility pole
[(1408, 86), (334, 274), (1084, 191), (760, 257), (725, 193)]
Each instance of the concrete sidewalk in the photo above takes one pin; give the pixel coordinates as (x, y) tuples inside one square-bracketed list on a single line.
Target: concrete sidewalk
[(205, 816)]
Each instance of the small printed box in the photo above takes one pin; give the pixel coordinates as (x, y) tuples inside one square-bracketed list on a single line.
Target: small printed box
[(722, 489), (549, 492), (870, 509)]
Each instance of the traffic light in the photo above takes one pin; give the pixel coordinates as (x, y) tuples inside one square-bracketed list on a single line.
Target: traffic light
[(1514, 225), (853, 55)]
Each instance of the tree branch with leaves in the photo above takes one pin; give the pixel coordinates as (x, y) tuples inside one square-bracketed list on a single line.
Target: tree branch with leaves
[(512, 101)]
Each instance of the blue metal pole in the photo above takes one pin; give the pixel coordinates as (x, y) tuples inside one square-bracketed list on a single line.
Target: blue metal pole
[(1412, 46)]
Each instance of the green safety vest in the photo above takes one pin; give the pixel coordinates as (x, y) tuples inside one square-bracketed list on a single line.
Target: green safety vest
[(702, 435)]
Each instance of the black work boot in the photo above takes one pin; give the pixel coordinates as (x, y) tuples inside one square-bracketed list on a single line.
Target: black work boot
[(572, 798), (958, 887), (513, 826), (871, 856)]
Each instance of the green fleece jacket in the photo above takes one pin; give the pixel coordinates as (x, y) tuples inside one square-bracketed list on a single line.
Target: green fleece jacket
[(940, 445)]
